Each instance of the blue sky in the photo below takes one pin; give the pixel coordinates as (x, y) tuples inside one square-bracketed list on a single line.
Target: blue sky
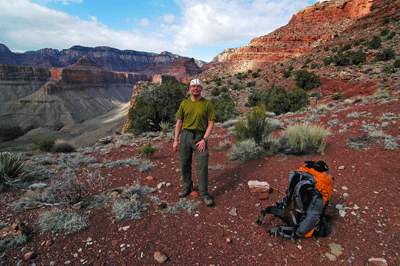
[(194, 28)]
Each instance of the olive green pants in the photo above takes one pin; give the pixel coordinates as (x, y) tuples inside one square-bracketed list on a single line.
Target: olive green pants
[(187, 147)]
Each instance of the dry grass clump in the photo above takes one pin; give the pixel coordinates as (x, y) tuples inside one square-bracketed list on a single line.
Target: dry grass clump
[(59, 221), (303, 139)]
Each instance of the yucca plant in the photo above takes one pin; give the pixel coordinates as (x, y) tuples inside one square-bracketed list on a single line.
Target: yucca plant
[(11, 169)]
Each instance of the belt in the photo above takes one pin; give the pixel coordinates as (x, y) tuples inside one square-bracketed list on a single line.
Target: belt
[(194, 131)]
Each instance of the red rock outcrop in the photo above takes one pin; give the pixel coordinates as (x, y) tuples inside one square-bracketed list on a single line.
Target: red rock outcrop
[(179, 68), (306, 30)]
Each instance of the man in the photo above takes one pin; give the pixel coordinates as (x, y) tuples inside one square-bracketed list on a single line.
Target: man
[(195, 121)]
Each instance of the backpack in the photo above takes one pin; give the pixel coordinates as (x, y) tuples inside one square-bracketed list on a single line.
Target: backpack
[(303, 207)]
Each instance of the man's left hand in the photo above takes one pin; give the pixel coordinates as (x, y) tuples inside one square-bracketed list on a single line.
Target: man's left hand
[(201, 145)]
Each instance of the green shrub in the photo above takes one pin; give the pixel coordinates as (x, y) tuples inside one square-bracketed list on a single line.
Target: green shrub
[(156, 105), (255, 74), (62, 146), (224, 108), (385, 32), (303, 139), (337, 96), (385, 55), (12, 170), (286, 74), (396, 63), (165, 126), (250, 84), (215, 92), (148, 150), (45, 144), (346, 47), (375, 42), (307, 80), (59, 221), (254, 128)]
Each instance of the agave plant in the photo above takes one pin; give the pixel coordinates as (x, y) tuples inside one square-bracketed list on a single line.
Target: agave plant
[(11, 169)]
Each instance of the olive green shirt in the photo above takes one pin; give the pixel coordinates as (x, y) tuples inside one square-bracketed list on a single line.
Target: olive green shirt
[(195, 115)]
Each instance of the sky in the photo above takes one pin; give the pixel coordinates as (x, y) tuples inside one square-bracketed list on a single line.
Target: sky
[(197, 29)]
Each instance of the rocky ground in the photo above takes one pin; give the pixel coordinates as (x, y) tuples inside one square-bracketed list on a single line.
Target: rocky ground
[(362, 153)]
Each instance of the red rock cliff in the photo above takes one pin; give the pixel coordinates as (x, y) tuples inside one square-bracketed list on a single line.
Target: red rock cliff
[(306, 30)]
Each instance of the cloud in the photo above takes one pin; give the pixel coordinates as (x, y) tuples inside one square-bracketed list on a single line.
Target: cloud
[(31, 25), (214, 22), (169, 18), (64, 2), (144, 22)]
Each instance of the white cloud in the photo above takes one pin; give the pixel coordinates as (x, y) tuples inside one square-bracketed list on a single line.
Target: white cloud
[(64, 2), (214, 22), (26, 23), (169, 18), (144, 22)]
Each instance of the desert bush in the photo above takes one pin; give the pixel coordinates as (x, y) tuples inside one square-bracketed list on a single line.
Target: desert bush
[(155, 106), (359, 143), (250, 84), (375, 42), (254, 127), (12, 170), (146, 166), (60, 221), (44, 144), (302, 139), (286, 74), (337, 96), (148, 150), (255, 74), (165, 126), (223, 146), (189, 206), (224, 108), (215, 92), (132, 207), (61, 146), (307, 80), (245, 151), (346, 47), (385, 55)]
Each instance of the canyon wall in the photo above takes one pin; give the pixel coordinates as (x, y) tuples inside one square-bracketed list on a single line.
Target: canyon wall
[(306, 30)]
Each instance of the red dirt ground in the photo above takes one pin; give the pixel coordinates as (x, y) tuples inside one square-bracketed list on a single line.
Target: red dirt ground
[(370, 228)]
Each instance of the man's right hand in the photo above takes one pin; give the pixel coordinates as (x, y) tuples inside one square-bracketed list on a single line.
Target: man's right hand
[(176, 146)]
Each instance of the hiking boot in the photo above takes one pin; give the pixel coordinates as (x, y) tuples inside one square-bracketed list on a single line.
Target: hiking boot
[(185, 192), (207, 200)]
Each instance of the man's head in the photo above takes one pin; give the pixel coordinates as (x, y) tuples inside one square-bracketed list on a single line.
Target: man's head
[(195, 82)]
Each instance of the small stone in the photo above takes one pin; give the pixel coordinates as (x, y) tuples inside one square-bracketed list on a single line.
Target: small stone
[(344, 188), (161, 185), (233, 212), (168, 184), (336, 249), (160, 257), (330, 257), (125, 228), (345, 195), (270, 245), (228, 240), (341, 167), (29, 255), (149, 178), (342, 213), (52, 263), (161, 205), (378, 261)]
